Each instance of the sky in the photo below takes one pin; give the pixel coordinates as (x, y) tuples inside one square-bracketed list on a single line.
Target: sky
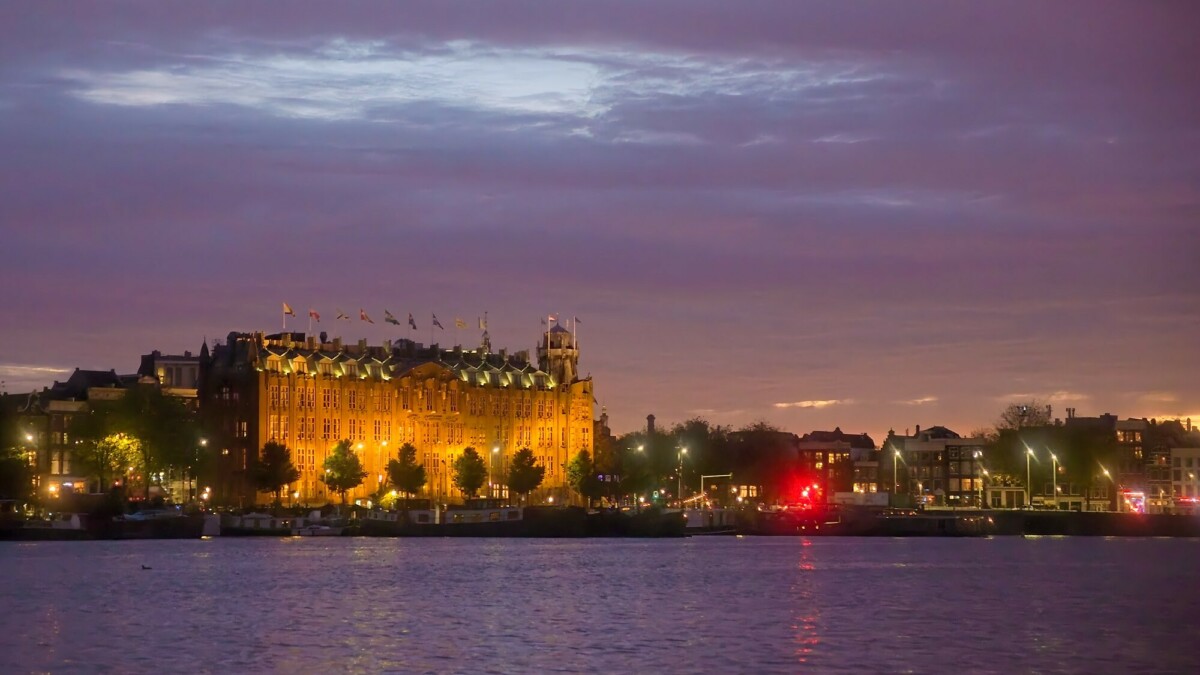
[(864, 215)]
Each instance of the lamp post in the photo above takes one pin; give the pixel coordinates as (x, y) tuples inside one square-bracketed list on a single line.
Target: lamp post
[(491, 465), (682, 452), (1054, 479), (192, 488), (982, 487), (634, 497), (1028, 484), (1110, 480), (895, 476)]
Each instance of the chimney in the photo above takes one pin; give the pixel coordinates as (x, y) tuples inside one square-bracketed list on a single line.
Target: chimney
[(337, 344), (649, 425), (362, 346), (387, 347), (918, 432)]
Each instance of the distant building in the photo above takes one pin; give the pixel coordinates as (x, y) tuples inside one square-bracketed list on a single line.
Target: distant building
[(943, 468), (178, 375), (829, 457), (1185, 479), (309, 393), (45, 418)]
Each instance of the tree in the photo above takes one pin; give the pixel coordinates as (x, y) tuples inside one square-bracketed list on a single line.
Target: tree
[(404, 473), (470, 472), (275, 470), (162, 424), (581, 476), (16, 475), (1031, 413), (524, 473), (107, 458), (343, 469)]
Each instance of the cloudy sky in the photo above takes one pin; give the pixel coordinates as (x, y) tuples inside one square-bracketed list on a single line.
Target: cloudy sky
[(868, 216)]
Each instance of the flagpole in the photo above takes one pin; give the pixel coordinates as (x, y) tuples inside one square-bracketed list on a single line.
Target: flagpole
[(431, 314)]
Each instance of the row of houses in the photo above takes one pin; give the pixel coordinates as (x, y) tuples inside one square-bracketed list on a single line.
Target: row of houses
[(1152, 467)]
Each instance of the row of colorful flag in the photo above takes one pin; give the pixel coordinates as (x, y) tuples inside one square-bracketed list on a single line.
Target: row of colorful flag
[(388, 317)]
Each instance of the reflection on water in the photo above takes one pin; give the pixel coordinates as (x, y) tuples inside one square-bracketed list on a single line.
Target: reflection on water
[(730, 605)]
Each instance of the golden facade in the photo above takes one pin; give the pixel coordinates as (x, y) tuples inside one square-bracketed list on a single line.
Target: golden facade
[(309, 396)]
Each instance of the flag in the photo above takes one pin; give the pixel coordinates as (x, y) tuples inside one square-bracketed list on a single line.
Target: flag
[(411, 323), (459, 323), (287, 309), (362, 314), (482, 324), (312, 314), (543, 321), (342, 315), (576, 321), (388, 318), (553, 317), (438, 323)]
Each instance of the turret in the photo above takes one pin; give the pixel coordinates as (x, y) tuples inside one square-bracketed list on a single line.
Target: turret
[(558, 354)]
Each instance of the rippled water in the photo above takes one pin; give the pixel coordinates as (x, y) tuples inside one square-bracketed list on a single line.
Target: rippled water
[(728, 605)]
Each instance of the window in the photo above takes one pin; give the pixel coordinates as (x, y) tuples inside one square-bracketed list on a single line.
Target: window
[(283, 427), (337, 428), (453, 401), (541, 409), (378, 429), (352, 399), (242, 429), (428, 395), (273, 396), (325, 428), (337, 396), (285, 396), (326, 397)]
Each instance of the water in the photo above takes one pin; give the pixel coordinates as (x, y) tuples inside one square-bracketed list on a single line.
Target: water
[(721, 605)]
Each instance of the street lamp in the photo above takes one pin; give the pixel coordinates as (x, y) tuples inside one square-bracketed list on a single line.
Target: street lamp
[(1028, 483), (491, 465), (895, 476), (682, 452), (635, 498), (1054, 479)]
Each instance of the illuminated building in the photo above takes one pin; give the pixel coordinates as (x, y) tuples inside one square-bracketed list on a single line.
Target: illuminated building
[(831, 458), (943, 467), (44, 420), (309, 392)]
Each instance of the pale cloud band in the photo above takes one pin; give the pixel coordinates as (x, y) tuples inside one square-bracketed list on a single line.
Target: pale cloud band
[(344, 80), (824, 403)]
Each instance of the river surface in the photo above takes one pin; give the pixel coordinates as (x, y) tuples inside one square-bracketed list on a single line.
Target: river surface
[(700, 605)]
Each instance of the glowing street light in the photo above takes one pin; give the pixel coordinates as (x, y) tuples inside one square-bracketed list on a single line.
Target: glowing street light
[(895, 476), (1028, 479), (1054, 479), (682, 452), (491, 464)]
